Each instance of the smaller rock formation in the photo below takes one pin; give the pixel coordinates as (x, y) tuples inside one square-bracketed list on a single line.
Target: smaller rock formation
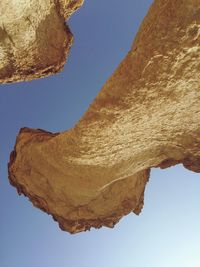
[(147, 115), (34, 38)]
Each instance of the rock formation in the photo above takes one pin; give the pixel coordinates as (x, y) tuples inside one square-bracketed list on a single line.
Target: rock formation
[(34, 39), (147, 115)]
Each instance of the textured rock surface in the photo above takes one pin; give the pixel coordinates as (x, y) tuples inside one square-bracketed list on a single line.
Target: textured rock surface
[(147, 115), (34, 39)]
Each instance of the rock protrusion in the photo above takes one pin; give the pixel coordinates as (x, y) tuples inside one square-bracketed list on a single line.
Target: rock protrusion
[(34, 38)]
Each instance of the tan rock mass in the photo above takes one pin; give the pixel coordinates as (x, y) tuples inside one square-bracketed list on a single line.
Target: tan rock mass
[(147, 115), (34, 38)]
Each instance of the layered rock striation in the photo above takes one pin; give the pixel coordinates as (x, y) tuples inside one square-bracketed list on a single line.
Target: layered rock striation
[(34, 38), (147, 115)]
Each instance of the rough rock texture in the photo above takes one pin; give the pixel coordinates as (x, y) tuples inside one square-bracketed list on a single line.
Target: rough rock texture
[(147, 115), (34, 39)]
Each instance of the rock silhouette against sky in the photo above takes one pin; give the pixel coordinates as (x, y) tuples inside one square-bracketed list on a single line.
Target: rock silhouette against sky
[(146, 115), (34, 38)]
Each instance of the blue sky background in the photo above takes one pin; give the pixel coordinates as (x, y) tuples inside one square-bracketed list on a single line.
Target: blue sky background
[(166, 234)]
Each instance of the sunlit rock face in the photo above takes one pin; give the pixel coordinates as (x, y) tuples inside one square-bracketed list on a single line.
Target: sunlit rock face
[(34, 39), (147, 115)]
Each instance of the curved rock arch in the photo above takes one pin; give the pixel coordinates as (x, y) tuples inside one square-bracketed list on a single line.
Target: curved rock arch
[(147, 115)]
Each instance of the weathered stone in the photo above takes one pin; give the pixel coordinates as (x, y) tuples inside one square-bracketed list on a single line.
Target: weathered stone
[(34, 39), (147, 115)]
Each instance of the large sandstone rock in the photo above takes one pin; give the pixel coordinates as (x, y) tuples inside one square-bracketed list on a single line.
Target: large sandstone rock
[(34, 39), (147, 115)]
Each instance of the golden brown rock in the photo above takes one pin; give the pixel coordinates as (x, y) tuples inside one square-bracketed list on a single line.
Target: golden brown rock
[(147, 115), (34, 39)]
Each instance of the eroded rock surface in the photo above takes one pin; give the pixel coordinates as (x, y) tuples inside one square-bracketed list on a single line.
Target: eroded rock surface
[(34, 38), (147, 115)]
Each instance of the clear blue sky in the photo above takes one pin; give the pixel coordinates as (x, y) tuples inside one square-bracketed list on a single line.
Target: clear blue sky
[(167, 232)]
